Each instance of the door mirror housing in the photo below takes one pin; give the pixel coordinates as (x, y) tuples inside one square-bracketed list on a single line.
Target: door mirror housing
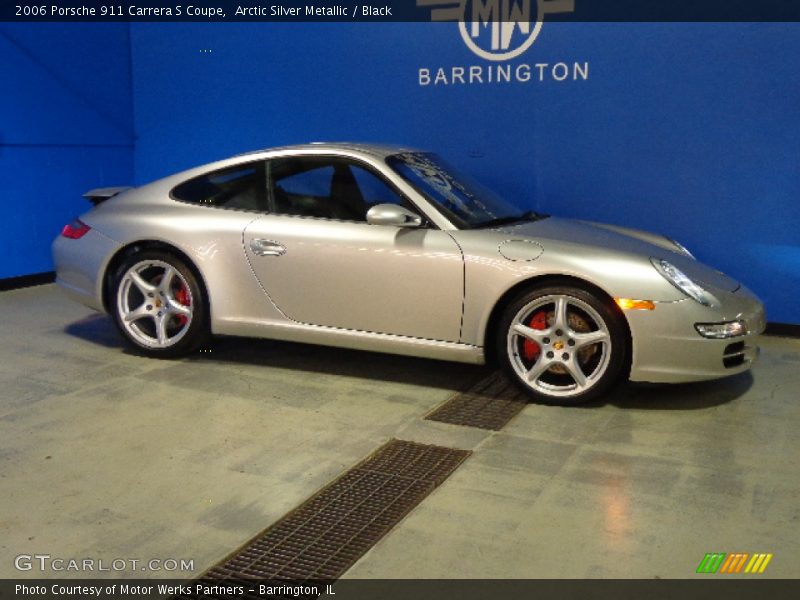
[(393, 214)]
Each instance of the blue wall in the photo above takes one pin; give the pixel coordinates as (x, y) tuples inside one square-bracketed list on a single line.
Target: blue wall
[(691, 130), (66, 125)]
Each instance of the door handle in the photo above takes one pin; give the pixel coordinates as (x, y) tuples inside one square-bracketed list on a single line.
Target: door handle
[(267, 248)]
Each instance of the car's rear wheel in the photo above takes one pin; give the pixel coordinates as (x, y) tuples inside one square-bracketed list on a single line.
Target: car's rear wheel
[(562, 344), (158, 305)]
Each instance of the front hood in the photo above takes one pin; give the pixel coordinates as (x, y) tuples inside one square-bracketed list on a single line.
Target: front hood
[(620, 239)]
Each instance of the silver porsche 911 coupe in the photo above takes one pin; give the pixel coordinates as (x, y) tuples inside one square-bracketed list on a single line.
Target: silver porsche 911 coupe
[(391, 249)]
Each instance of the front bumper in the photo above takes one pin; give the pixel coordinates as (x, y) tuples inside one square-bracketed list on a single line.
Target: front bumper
[(668, 349)]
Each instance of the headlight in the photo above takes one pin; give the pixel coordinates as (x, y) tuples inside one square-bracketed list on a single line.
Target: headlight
[(721, 331), (681, 248), (677, 278)]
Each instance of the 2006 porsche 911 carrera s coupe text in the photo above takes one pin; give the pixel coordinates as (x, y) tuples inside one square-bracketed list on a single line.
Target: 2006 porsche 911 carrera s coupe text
[(391, 249)]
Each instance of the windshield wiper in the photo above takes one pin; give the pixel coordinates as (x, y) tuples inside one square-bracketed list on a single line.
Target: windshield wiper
[(528, 215)]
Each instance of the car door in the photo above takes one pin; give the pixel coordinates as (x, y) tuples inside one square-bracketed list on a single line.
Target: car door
[(321, 263)]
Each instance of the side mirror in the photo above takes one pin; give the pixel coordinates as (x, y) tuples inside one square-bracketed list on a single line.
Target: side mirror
[(393, 214)]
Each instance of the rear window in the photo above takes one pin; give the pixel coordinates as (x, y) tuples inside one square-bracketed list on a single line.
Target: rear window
[(240, 187)]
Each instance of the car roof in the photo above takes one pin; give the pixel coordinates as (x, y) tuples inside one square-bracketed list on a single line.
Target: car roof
[(377, 150)]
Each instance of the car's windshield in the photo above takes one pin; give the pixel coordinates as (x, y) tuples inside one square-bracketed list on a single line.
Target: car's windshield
[(466, 203)]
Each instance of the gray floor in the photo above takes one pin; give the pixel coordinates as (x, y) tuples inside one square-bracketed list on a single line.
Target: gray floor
[(107, 455)]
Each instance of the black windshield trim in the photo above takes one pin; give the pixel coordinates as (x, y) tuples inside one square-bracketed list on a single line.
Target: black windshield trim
[(528, 215)]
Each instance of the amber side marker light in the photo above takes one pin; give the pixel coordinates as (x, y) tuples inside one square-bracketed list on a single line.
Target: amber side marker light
[(631, 304)]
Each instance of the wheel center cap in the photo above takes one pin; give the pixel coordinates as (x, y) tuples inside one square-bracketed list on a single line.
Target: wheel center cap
[(559, 345), (158, 303)]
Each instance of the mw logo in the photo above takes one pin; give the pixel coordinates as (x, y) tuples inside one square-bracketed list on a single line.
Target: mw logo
[(737, 562), (497, 29)]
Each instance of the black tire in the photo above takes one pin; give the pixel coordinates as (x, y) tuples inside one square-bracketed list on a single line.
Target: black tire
[(182, 332), (557, 349)]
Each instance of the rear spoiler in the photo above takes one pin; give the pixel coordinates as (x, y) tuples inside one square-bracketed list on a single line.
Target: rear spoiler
[(99, 195)]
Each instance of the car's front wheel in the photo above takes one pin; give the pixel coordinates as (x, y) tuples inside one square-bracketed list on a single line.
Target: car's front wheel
[(562, 344), (158, 305)]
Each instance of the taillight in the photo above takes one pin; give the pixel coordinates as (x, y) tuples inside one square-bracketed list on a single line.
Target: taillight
[(75, 230)]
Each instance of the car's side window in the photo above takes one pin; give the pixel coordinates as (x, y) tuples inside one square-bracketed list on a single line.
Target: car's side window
[(374, 189), (241, 187), (326, 187)]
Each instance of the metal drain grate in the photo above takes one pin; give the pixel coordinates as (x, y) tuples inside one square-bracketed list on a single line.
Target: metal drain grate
[(489, 404), (323, 537)]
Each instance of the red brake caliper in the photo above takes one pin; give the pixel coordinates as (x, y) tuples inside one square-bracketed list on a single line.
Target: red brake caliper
[(531, 349), (182, 296)]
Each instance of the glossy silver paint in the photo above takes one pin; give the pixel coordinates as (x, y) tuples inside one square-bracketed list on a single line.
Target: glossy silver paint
[(391, 214), (418, 291)]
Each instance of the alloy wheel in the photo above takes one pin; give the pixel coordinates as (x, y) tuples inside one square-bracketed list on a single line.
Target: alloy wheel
[(559, 346), (154, 304)]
